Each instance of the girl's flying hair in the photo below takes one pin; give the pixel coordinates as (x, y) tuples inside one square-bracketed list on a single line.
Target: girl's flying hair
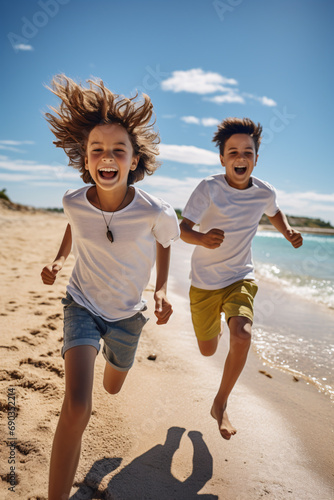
[(81, 109)]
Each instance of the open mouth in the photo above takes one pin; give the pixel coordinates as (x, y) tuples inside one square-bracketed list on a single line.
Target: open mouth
[(107, 173), (240, 170)]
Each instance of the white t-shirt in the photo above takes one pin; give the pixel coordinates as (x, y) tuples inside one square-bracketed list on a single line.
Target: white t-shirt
[(215, 204), (109, 278)]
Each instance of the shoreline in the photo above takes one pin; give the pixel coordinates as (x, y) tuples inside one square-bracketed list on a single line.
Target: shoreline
[(301, 229)]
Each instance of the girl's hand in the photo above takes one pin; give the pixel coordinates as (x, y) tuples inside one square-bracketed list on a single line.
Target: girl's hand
[(294, 237), (163, 308), (49, 273)]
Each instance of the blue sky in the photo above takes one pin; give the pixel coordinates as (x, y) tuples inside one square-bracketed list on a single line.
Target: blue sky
[(200, 61)]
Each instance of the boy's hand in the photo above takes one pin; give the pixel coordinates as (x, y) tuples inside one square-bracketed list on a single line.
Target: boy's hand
[(163, 308), (213, 238), (50, 272), (294, 237)]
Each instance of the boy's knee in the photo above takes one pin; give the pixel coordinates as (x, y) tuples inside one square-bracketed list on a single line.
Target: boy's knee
[(241, 331)]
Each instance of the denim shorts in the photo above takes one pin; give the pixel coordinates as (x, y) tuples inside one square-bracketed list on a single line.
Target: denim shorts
[(121, 337)]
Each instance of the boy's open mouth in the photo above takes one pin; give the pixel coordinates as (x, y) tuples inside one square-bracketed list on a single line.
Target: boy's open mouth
[(107, 172), (240, 170)]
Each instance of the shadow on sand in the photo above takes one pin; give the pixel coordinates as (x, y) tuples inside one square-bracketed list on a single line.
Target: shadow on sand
[(149, 477)]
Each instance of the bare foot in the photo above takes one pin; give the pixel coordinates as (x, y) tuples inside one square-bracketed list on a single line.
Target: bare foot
[(219, 413)]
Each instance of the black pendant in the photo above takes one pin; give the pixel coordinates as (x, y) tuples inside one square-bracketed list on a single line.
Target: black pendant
[(110, 236)]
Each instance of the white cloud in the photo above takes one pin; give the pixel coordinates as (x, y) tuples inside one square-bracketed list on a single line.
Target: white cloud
[(9, 145), (188, 154), (15, 143), (266, 101), (35, 171), (191, 119), (175, 191), (210, 122), (206, 122), (23, 46), (197, 81), (308, 204), (229, 97)]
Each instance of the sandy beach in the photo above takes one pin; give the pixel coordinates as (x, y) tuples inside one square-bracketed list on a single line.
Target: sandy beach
[(156, 439)]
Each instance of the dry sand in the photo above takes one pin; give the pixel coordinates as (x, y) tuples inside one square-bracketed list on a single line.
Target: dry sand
[(156, 439)]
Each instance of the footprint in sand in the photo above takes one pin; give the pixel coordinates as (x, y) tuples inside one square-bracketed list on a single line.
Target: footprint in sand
[(10, 375), (54, 316), (9, 347), (39, 385), (27, 340), (46, 365), (50, 326)]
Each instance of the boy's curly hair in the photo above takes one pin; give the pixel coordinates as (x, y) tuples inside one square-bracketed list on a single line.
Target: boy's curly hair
[(231, 126), (81, 109)]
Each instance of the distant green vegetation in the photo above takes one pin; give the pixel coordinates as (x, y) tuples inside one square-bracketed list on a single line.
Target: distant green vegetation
[(3, 195), (301, 222), (58, 210)]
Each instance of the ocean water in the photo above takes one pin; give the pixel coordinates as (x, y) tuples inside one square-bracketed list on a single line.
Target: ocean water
[(307, 271), (294, 309), (294, 313)]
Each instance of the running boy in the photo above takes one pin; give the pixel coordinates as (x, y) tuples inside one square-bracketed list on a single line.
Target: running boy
[(228, 209), (118, 231)]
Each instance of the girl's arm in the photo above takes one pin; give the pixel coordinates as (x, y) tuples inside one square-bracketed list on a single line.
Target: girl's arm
[(212, 239), (281, 223), (163, 308), (49, 272)]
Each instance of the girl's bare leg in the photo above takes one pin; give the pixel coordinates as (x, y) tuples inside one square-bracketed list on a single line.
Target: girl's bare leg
[(74, 417), (113, 379)]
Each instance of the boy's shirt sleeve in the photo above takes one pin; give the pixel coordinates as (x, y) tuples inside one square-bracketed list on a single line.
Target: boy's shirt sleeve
[(272, 207), (198, 203), (166, 228)]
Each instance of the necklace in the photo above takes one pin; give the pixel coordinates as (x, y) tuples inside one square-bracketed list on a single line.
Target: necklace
[(109, 233)]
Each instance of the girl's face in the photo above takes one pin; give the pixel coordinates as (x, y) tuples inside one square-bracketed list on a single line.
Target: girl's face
[(109, 156)]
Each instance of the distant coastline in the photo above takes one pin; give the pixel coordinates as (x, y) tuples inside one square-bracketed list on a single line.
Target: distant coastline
[(312, 226), (302, 229)]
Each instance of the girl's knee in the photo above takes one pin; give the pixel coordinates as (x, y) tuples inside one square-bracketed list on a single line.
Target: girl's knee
[(77, 412), (113, 379)]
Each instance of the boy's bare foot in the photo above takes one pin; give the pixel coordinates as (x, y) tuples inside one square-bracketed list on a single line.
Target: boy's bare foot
[(219, 413)]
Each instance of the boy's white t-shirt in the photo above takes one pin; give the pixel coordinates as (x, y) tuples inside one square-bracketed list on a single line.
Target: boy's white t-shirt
[(108, 278), (215, 204)]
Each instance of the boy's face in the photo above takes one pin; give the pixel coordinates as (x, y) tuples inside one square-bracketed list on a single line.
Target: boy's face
[(239, 160), (109, 156)]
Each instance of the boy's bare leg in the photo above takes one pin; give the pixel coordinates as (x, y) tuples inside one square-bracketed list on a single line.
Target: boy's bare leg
[(74, 417), (240, 340)]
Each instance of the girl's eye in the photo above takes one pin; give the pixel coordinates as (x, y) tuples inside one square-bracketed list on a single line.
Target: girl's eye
[(97, 150)]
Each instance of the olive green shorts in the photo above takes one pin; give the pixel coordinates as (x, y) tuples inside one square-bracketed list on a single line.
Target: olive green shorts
[(207, 305)]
